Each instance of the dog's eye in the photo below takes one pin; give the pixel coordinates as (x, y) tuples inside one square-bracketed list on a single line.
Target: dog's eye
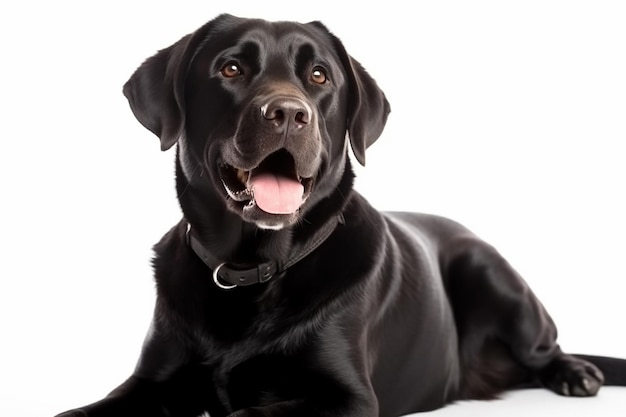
[(231, 70), (318, 76)]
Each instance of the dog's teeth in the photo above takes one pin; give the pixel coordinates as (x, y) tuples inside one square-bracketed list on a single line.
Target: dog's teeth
[(242, 175)]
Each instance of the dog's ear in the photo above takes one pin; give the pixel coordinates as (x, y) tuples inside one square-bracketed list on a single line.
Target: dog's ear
[(156, 90), (367, 106), (368, 109)]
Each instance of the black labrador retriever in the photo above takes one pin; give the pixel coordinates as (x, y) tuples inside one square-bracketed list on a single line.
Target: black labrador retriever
[(282, 292)]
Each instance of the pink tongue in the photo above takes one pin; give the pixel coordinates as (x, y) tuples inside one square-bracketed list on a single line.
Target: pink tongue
[(276, 194)]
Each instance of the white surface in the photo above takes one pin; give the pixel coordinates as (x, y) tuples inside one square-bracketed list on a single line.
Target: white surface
[(610, 402), (507, 116)]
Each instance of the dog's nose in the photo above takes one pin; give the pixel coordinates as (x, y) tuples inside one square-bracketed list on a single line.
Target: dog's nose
[(286, 114)]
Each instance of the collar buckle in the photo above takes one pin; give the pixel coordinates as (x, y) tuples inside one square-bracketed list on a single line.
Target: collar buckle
[(228, 277)]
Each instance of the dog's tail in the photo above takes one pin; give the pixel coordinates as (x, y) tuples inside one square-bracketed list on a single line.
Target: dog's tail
[(614, 369)]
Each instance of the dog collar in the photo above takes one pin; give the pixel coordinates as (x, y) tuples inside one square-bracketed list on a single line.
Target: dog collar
[(228, 276)]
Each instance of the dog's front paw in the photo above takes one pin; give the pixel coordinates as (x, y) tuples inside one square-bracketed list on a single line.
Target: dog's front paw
[(571, 376)]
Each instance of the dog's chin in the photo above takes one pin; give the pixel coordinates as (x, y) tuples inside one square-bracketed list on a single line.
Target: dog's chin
[(252, 214)]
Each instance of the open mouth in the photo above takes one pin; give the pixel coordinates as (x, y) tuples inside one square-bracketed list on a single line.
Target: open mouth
[(274, 186)]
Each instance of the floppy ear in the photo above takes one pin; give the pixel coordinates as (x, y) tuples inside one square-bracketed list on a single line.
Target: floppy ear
[(367, 106), (368, 112), (156, 90)]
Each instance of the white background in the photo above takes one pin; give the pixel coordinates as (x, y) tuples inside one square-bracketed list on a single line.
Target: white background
[(509, 117)]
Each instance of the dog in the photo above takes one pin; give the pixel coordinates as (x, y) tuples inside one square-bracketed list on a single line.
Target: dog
[(282, 292)]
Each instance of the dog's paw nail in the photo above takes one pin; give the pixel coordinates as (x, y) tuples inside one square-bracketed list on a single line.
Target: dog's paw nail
[(565, 389), (586, 384), (598, 375)]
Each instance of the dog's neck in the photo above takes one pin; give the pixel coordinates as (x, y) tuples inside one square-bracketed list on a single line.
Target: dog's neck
[(228, 237)]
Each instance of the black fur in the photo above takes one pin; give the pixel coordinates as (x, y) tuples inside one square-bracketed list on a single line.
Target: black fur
[(393, 313)]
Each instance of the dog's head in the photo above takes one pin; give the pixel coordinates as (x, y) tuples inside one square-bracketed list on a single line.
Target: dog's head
[(260, 112)]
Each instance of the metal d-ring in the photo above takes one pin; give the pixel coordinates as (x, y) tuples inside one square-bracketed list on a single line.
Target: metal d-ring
[(216, 278)]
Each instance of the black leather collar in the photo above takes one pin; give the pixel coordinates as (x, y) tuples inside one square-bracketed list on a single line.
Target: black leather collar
[(228, 276)]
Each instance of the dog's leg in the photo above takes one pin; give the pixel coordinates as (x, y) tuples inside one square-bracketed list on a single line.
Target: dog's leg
[(324, 398), (506, 335), (129, 399), (162, 385), (307, 409), (187, 394), (327, 377)]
